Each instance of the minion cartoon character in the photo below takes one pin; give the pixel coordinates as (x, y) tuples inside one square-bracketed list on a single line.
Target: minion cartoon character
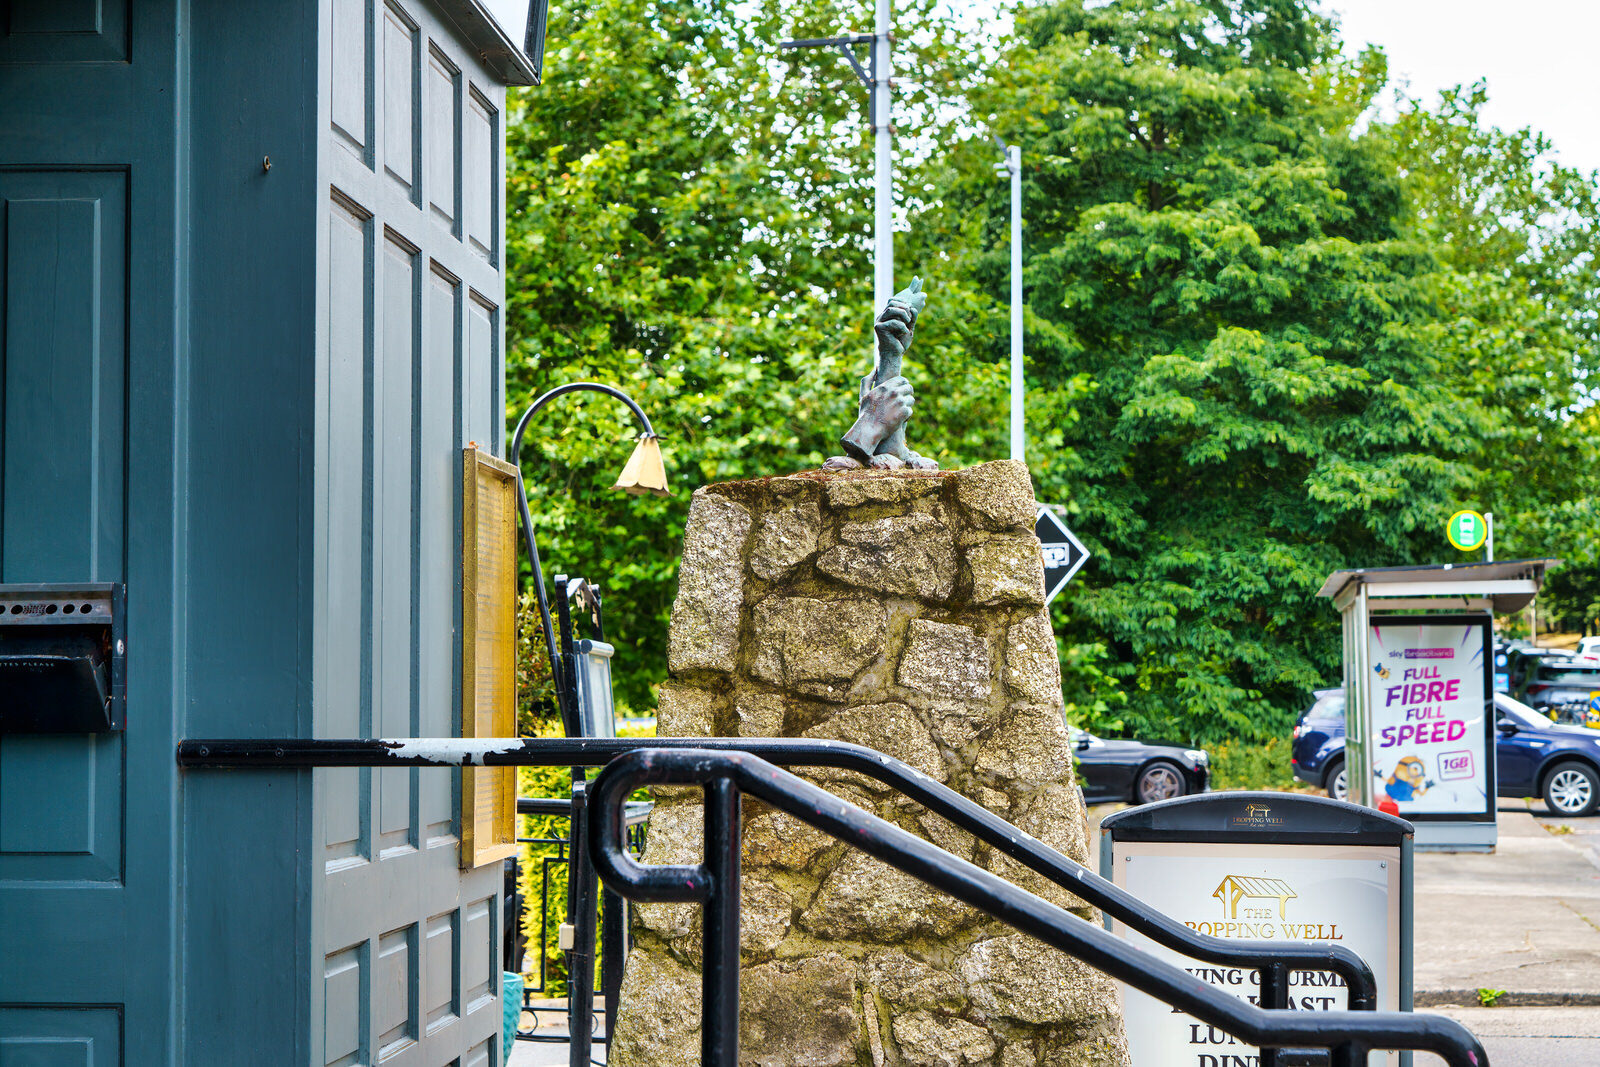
[(1381, 670), (1408, 782)]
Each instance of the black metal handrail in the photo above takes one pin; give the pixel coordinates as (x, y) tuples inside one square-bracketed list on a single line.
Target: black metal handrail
[(613, 936), (638, 810), (1346, 1036), (1274, 961)]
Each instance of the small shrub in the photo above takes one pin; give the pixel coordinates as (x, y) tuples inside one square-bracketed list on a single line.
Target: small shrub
[(536, 692), (553, 782), (1487, 997), (1252, 765)]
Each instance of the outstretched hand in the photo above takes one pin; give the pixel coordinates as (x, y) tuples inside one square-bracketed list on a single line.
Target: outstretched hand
[(894, 329), (911, 296), (899, 319), (883, 410)]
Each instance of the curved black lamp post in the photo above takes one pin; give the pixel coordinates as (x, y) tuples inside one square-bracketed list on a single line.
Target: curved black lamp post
[(644, 473)]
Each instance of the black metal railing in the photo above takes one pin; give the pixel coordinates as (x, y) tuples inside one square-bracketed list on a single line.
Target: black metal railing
[(1346, 1037), (550, 852), (1273, 961)]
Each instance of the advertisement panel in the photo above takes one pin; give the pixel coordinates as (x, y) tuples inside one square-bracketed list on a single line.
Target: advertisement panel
[(1345, 895), (1431, 740)]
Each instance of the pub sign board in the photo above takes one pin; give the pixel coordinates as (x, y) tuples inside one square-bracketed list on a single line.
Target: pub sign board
[(1431, 734), (1264, 867)]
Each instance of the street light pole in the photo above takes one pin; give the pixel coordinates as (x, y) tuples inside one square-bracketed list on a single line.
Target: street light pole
[(1012, 165), (644, 473), (883, 155), (881, 118)]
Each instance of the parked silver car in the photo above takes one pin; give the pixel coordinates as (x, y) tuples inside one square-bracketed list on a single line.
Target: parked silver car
[(1553, 682)]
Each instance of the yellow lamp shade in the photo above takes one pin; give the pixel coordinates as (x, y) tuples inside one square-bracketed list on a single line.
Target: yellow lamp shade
[(645, 472)]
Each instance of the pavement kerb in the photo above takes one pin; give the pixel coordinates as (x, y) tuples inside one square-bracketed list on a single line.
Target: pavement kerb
[(1524, 919), (1468, 998)]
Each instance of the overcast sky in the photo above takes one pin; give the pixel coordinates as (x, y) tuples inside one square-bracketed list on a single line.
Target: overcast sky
[(1538, 56)]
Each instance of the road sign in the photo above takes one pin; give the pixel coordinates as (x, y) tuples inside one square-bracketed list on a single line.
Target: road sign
[(1467, 530), (1063, 553)]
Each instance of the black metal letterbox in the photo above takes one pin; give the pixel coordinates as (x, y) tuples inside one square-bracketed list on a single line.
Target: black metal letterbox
[(61, 658)]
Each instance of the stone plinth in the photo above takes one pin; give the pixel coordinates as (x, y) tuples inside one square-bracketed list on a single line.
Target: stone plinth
[(903, 611)]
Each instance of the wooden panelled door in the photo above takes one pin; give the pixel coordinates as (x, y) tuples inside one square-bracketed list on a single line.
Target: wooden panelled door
[(88, 445), (409, 371)]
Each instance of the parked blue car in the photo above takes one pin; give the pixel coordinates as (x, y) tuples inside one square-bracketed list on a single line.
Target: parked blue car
[(1534, 757), (1316, 752)]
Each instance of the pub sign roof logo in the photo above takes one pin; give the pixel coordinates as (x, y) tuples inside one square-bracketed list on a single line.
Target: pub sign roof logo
[(1236, 888), (1255, 816)]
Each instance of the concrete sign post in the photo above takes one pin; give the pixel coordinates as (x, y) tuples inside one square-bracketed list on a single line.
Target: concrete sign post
[(1268, 867)]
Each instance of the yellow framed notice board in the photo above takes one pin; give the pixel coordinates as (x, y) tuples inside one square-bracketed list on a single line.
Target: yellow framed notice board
[(488, 651)]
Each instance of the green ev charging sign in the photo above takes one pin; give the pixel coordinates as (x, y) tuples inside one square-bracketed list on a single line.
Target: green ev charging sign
[(1467, 530)]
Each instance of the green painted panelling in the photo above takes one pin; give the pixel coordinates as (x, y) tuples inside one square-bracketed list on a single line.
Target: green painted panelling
[(243, 390), (91, 343), (60, 1037)]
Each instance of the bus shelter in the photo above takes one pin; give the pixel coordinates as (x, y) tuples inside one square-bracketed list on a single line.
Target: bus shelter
[(1419, 690)]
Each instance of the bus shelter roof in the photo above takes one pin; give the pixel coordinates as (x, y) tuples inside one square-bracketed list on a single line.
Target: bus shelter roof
[(1511, 584)]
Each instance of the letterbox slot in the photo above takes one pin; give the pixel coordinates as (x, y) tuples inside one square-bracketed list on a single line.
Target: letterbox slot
[(62, 653)]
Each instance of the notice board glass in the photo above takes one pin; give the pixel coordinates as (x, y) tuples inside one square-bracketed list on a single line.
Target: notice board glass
[(488, 651), (1346, 895), (1262, 867)]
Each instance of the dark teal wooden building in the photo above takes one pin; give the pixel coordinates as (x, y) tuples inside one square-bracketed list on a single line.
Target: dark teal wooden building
[(251, 292)]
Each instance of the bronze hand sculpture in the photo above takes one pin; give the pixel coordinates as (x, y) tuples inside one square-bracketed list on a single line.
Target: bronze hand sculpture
[(878, 438)]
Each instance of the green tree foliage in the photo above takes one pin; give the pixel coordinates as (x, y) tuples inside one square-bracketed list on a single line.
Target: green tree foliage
[(1264, 341), (689, 215), (1227, 262), (1517, 235)]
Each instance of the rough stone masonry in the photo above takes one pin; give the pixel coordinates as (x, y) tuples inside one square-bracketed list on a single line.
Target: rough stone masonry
[(902, 610)]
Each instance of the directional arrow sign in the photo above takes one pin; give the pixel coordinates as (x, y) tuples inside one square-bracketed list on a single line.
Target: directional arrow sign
[(1063, 553)]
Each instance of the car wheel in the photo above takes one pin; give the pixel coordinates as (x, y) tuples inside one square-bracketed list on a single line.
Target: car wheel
[(1334, 781), (1159, 781), (1572, 789)]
